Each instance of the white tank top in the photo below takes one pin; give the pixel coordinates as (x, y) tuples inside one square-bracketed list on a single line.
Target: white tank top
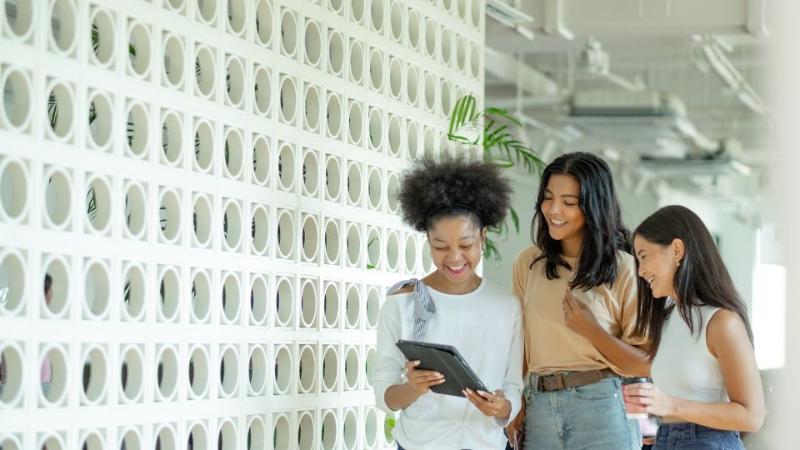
[(683, 367)]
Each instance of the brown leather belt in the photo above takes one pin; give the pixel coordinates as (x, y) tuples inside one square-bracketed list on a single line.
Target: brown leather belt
[(567, 380)]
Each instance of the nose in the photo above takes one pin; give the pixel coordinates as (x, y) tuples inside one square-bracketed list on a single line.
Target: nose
[(554, 208), (454, 255), (641, 271)]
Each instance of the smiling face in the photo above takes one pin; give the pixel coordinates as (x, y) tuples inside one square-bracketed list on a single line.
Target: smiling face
[(561, 209), (658, 264), (456, 244)]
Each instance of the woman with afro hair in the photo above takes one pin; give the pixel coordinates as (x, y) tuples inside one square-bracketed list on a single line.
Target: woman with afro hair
[(454, 201)]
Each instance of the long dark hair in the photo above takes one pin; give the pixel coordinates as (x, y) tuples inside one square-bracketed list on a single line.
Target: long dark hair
[(701, 278), (604, 232)]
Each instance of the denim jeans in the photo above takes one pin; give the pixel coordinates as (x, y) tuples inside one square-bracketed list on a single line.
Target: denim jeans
[(590, 417), (689, 436)]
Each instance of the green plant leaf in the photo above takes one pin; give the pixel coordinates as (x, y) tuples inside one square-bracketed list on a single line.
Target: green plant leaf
[(91, 203), (95, 39), (499, 147), (502, 113), (129, 130), (126, 292), (92, 113), (514, 218), (463, 113), (162, 210), (52, 109), (490, 250)]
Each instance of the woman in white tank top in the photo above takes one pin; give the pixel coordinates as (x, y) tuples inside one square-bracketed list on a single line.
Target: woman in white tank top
[(706, 387)]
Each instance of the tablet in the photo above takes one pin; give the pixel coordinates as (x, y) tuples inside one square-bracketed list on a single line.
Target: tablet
[(446, 360)]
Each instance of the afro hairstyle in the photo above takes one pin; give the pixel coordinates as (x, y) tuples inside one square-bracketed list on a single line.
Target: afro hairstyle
[(450, 186)]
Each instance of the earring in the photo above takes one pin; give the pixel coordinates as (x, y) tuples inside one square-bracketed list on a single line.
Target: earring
[(677, 264)]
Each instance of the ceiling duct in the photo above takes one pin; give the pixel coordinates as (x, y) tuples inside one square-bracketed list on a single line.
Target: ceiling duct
[(723, 164), (651, 122)]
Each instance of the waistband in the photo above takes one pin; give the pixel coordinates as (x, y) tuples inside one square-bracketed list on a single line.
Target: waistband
[(687, 430), (566, 380)]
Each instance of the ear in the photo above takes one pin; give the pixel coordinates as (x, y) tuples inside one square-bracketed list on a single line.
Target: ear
[(678, 249), (484, 231)]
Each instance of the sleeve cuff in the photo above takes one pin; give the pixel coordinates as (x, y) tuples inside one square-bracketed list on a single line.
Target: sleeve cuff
[(380, 398), (515, 406)]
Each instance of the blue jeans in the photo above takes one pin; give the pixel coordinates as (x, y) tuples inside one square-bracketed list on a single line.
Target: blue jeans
[(689, 436), (590, 417)]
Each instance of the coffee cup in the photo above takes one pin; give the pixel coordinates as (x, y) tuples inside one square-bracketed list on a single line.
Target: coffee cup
[(635, 380)]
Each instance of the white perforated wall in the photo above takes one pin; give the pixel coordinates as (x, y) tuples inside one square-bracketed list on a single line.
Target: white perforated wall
[(208, 188)]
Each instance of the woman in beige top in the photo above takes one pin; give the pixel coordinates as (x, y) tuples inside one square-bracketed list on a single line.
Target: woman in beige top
[(577, 289)]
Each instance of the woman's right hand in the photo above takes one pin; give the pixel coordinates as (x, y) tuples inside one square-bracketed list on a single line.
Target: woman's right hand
[(421, 381), (516, 429)]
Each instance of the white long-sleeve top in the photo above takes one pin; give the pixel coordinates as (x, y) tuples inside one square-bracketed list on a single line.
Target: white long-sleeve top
[(485, 326)]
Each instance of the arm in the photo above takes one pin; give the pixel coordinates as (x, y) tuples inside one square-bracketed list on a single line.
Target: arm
[(391, 393), (727, 340), (622, 351), (400, 396), (630, 359)]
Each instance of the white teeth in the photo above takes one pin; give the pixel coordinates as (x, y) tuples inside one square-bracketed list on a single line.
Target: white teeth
[(456, 269), (558, 222)]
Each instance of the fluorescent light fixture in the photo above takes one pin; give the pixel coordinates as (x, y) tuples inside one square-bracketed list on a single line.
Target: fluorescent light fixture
[(505, 13)]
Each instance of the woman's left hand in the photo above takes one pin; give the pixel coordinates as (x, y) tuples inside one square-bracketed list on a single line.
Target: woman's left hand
[(492, 405), (577, 315), (647, 398)]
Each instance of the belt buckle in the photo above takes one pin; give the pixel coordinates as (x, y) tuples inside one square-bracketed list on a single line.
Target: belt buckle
[(554, 382)]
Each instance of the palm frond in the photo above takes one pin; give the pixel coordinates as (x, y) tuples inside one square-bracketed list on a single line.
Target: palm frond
[(164, 138), (129, 130), (499, 147), (126, 292), (162, 212), (514, 218), (490, 250), (197, 146), (91, 203), (95, 39), (92, 113), (128, 212), (52, 109), (463, 113)]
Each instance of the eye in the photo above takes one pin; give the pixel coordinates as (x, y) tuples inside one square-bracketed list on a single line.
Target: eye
[(466, 247), (570, 204), (440, 249)]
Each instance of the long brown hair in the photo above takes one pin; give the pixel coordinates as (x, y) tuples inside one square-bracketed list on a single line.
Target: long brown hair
[(604, 232), (701, 278)]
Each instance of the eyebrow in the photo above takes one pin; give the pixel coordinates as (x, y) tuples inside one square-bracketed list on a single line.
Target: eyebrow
[(460, 239), (563, 195)]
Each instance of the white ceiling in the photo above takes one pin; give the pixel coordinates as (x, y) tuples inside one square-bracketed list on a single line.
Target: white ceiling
[(652, 44)]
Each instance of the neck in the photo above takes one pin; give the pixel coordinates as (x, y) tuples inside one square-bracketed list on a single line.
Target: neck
[(439, 282), (571, 248)]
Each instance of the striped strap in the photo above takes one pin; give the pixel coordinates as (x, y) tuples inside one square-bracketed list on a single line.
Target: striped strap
[(423, 304)]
